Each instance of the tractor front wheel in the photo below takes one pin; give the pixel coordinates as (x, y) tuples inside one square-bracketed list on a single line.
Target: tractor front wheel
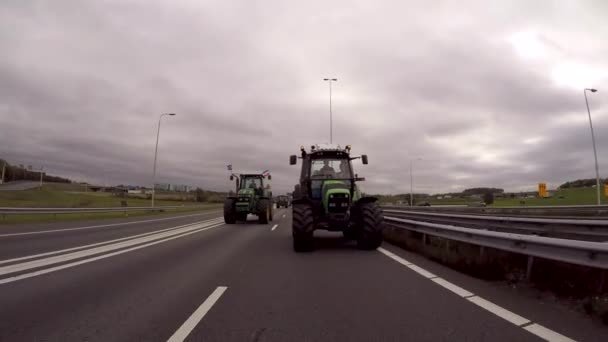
[(229, 211), (302, 225), (371, 224), (264, 211)]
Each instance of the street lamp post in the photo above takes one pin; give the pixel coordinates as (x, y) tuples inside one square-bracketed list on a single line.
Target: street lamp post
[(597, 171), (330, 80), (155, 154)]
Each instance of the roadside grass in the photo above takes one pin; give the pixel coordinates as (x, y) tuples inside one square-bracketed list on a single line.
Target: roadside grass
[(41, 218), (51, 198), (569, 196)]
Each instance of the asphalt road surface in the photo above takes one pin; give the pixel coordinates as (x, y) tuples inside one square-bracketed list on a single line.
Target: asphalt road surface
[(191, 277)]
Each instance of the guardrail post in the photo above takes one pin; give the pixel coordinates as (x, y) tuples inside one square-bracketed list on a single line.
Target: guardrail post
[(600, 287), (529, 267), (424, 239)]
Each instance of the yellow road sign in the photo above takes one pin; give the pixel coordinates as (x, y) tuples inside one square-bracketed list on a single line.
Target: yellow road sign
[(542, 190)]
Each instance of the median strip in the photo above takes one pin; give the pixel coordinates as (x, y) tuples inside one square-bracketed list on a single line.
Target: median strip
[(103, 249), (57, 268), (34, 256), (102, 225)]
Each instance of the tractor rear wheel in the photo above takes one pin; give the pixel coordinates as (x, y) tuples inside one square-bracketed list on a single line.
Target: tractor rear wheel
[(229, 211), (263, 211), (371, 224), (302, 224)]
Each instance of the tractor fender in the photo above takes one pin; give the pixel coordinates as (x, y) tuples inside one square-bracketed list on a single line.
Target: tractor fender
[(304, 200), (366, 199)]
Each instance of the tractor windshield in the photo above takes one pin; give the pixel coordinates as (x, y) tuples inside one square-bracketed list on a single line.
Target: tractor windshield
[(328, 168), (251, 183)]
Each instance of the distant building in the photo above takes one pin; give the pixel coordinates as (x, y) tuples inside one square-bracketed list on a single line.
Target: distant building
[(173, 187)]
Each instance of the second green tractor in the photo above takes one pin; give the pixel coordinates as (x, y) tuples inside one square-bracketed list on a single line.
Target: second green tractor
[(252, 196)]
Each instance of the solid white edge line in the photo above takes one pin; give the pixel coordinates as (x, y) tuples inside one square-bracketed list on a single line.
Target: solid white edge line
[(102, 225), (454, 288), (499, 311), (394, 257), (421, 271), (102, 243), (547, 334), (189, 325), (103, 256), (274, 227)]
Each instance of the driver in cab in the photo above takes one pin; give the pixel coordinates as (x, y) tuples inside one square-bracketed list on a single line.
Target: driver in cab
[(327, 170)]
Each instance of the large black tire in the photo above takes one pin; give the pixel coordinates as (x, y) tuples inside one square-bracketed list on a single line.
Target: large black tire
[(271, 210), (229, 211), (370, 225), (302, 226), (264, 211)]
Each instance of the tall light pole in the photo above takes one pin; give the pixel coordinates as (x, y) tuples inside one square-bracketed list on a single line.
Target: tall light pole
[(155, 154), (412, 181), (3, 170), (330, 80), (597, 171)]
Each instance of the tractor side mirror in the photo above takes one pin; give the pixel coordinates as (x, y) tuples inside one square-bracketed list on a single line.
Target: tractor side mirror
[(269, 177), (231, 177), (364, 159), (293, 159)]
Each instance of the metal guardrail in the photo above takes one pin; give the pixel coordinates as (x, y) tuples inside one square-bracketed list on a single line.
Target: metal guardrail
[(582, 229), (13, 211), (586, 253)]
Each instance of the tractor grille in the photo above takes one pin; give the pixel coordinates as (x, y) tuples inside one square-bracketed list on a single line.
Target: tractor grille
[(338, 203)]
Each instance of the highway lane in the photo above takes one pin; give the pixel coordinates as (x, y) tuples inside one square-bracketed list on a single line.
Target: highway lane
[(27, 239), (336, 293)]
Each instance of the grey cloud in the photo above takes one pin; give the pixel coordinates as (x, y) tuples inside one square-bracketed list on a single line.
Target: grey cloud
[(82, 85)]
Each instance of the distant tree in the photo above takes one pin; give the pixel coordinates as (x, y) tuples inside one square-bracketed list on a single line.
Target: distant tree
[(488, 198), (481, 191), (201, 195)]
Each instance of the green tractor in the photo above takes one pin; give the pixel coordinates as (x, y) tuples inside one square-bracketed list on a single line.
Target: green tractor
[(282, 201), (327, 197), (252, 197)]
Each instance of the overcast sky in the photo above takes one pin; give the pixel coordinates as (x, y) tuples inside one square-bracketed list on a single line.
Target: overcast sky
[(487, 94)]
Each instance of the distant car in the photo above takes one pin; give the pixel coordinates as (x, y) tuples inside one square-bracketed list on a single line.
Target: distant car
[(424, 204)]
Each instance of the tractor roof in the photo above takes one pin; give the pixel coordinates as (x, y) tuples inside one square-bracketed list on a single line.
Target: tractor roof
[(329, 148), (259, 175)]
